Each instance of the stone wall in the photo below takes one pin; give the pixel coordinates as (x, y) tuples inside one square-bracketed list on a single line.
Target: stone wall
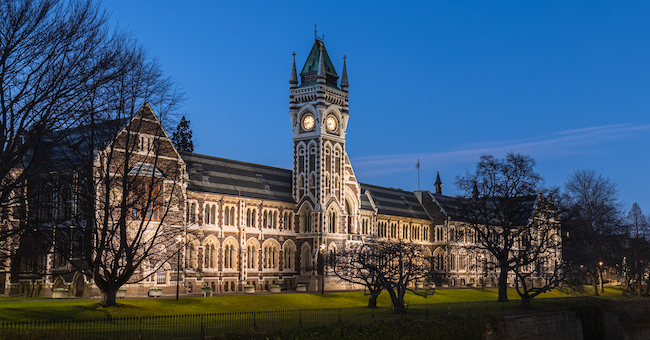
[(556, 326)]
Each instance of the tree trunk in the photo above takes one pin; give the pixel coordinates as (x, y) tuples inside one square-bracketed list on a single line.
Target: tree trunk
[(109, 297), (372, 301), (594, 275), (525, 302), (503, 283)]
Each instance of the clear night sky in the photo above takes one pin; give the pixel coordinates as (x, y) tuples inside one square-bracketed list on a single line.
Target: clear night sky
[(566, 82)]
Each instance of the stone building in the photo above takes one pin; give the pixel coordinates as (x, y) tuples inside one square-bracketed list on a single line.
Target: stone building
[(244, 224)]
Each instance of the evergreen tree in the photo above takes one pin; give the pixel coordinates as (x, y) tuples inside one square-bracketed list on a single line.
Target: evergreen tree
[(182, 137)]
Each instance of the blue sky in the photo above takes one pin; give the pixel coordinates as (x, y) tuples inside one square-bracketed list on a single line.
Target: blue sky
[(566, 82)]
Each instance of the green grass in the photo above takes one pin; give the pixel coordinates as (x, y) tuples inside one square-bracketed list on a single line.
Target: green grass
[(71, 309)]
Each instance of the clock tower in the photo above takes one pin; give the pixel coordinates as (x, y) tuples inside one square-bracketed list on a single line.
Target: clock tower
[(324, 184)]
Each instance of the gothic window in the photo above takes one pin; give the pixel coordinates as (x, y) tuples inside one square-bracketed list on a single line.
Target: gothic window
[(248, 217), (144, 198), (206, 214), (161, 277), (232, 216), (230, 255), (305, 258), (270, 256), (275, 220), (190, 255), (312, 183), (289, 254), (332, 222), (213, 214), (192, 213), (265, 220), (251, 255), (209, 259)]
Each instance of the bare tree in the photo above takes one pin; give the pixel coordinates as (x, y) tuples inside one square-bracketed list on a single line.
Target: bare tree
[(539, 266), (131, 178), (395, 266), (54, 55), (497, 205), (592, 220), (635, 250)]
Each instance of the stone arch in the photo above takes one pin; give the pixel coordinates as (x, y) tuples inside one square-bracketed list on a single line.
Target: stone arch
[(307, 108), (305, 258), (351, 209), (78, 284), (210, 251), (289, 253), (304, 216), (332, 217), (59, 282), (271, 254), (192, 252), (252, 253), (230, 250)]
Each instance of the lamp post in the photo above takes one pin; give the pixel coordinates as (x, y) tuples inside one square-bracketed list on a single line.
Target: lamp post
[(600, 276), (321, 267), (178, 242)]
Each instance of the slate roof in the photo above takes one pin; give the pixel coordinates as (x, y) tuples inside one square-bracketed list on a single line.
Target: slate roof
[(225, 176), (452, 206), (72, 147), (395, 202)]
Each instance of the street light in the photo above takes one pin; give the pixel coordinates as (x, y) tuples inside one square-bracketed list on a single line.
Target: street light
[(321, 267), (600, 275), (179, 242)]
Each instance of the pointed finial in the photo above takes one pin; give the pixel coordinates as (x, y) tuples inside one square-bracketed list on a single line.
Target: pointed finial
[(321, 65), (315, 31), (438, 184), (293, 80), (344, 75)]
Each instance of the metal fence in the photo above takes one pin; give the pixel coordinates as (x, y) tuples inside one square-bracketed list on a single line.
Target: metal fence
[(202, 326)]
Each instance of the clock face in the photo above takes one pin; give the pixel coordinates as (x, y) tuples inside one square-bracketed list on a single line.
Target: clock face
[(308, 122), (331, 124)]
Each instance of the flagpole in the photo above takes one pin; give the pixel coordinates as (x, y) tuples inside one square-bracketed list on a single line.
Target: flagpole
[(418, 166)]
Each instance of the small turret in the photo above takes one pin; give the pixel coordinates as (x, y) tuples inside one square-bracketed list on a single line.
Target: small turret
[(294, 75), (344, 76), (438, 183), (475, 192)]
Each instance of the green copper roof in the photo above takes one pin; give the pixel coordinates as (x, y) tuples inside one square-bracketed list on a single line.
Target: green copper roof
[(311, 65)]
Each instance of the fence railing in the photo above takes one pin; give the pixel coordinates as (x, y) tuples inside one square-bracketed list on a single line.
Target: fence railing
[(201, 326)]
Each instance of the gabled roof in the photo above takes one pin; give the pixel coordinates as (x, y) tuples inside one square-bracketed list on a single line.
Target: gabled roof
[(453, 207), (225, 176), (75, 146), (395, 202)]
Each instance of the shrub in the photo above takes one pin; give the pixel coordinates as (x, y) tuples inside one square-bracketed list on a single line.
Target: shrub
[(206, 288), (276, 286), (155, 288), (60, 289)]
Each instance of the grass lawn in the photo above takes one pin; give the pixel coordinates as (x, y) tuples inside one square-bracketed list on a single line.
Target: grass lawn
[(12, 310)]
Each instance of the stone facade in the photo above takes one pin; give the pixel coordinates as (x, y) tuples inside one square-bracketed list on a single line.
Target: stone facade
[(248, 224)]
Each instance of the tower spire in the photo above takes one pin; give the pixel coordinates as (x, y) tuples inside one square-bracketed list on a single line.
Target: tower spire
[(321, 65), (438, 184), (293, 80), (344, 76)]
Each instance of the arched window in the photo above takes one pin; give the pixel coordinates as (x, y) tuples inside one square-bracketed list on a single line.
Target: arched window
[(206, 214), (275, 220), (265, 219), (232, 216), (226, 216), (305, 258), (289, 255), (192, 213), (209, 258), (253, 217), (251, 255), (248, 217)]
